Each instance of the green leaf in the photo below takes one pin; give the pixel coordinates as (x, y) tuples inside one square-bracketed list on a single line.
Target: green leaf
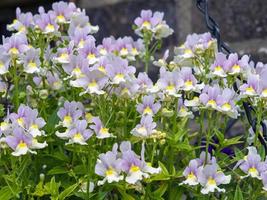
[(124, 195), (220, 135), (57, 170), (162, 189), (6, 193), (163, 168), (68, 191), (238, 193), (232, 141)]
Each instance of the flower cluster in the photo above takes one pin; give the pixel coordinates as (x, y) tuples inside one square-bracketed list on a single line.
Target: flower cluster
[(111, 164), (205, 171), (22, 130)]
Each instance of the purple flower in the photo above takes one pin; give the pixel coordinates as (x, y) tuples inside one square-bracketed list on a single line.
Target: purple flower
[(108, 166), (16, 44), (219, 68), (144, 82), (133, 166), (118, 70), (70, 113), (92, 82), (99, 129), (75, 66), (236, 66), (190, 173), (89, 51), (53, 80), (210, 96), (107, 45), (127, 89), (182, 110), (63, 54), (80, 36), (210, 178), (251, 88), (146, 128), (148, 107), (189, 80), (22, 21), (63, 11), (79, 133), (46, 22), (4, 62), (30, 61)]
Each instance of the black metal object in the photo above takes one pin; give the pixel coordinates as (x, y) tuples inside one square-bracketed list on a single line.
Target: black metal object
[(214, 29)]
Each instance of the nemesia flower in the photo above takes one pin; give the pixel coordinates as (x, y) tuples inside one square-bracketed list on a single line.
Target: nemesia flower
[(144, 82), (264, 180), (108, 166), (33, 123), (70, 113), (4, 62), (100, 130), (263, 84), (210, 178), (162, 62), (251, 87), (63, 54), (54, 81), (16, 44), (148, 107), (152, 22), (46, 22), (127, 89), (22, 114), (133, 166), (252, 164), (236, 66), (210, 96), (107, 46), (189, 80), (79, 134), (182, 110), (146, 128), (226, 103), (92, 82), (79, 37), (219, 68), (89, 51), (101, 64), (63, 11), (75, 66), (30, 61), (190, 173), (118, 70)]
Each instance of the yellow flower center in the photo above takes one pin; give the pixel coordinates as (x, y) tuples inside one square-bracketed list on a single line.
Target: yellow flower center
[(236, 68), (226, 106), (250, 89), (253, 170), (211, 102), (32, 64), (148, 110), (109, 172), (68, 119), (102, 69), (141, 129), (60, 18), (34, 126), (188, 51), (211, 181), (188, 83), (218, 68), (146, 24), (124, 51), (81, 43), (92, 84), (104, 130), (134, 51), (264, 92), (64, 56), (90, 56), (191, 176), (14, 50), (50, 28), (78, 136), (22, 144), (170, 87), (2, 64), (77, 70), (134, 168), (20, 121)]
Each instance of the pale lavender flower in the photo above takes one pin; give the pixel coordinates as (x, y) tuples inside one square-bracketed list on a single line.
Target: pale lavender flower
[(226, 103), (100, 130), (79, 134), (63, 54), (135, 167), (189, 80), (75, 66), (31, 61), (63, 11), (22, 21), (190, 173), (148, 106), (236, 66), (70, 113), (250, 88), (146, 128), (22, 114), (92, 82), (118, 70), (218, 68), (46, 22), (107, 45), (54, 81), (127, 89), (264, 180), (144, 82), (210, 96), (210, 178), (263, 84), (16, 44), (101, 64), (182, 110), (162, 62), (89, 51), (33, 124), (169, 83), (4, 62), (252, 164), (108, 166)]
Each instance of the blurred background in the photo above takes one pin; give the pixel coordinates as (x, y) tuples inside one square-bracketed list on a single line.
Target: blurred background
[(243, 23)]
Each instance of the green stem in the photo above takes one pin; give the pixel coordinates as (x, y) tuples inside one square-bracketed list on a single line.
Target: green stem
[(16, 85)]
